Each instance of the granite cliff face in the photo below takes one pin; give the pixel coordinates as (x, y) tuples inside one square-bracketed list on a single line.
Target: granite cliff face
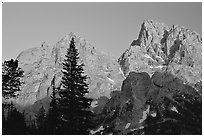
[(160, 62), (177, 50), (41, 64)]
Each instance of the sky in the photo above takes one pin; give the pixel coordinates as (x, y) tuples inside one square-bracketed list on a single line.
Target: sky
[(109, 27)]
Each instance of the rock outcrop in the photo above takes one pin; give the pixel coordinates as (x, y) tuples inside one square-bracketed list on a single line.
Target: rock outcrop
[(41, 64), (126, 111), (177, 50)]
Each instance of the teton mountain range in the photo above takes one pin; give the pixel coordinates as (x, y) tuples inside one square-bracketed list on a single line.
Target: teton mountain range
[(174, 50)]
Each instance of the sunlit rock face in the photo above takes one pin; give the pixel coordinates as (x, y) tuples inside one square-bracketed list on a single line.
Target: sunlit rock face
[(145, 54), (177, 50), (41, 64)]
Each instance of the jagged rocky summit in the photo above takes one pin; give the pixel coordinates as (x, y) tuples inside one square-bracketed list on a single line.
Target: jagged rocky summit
[(41, 64), (159, 63), (161, 59), (176, 50)]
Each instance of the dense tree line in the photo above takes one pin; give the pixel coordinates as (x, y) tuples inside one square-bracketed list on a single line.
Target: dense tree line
[(13, 122)]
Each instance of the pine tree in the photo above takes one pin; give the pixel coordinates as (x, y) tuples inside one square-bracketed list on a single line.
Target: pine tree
[(52, 116), (11, 82), (40, 120), (11, 78), (15, 123), (3, 122), (74, 106)]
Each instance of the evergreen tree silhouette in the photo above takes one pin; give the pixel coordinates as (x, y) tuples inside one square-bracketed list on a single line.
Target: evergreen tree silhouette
[(15, 123), (11, 82), (52, 116), (3, 122), (40, 121), (74, 106), (11, 78)]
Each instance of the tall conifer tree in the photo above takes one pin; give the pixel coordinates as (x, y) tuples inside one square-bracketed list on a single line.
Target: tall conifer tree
[(11, 82), (53, 115), (15, 123), (40, 120), (11, 78), (74, 106)]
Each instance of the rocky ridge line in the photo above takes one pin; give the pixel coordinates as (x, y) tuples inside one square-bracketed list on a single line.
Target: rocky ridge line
[(176, 50), (41, 64)]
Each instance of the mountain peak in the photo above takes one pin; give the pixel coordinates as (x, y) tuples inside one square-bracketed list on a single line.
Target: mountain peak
[(150, 30), (151, 25), (74, 35), (148, 22), (68, 37), (41, 64), (158, 47)]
